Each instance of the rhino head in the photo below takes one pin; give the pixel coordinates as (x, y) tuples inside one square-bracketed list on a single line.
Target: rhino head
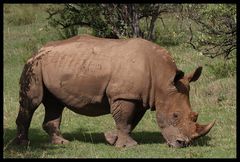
[(178, 123)]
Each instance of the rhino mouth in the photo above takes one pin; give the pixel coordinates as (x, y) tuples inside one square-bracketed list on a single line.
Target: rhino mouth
[(179, 143)]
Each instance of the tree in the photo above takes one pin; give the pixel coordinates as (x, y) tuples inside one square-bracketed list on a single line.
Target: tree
[(216, 32), (108, 20)]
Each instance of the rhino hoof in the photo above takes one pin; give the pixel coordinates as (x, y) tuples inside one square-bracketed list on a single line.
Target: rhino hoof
[(59, 140), (126, 143), (23, 142), (111, 137)]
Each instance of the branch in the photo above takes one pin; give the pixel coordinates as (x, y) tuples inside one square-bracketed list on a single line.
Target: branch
[(191, 38), (51, 14)]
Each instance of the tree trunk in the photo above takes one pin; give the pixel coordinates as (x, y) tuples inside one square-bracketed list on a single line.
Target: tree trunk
[(152, 24), (134, 20), (151, 28)]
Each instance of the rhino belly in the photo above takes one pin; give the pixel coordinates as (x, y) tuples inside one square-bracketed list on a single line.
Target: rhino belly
[(89, 108), (85, 98), (84, 95)]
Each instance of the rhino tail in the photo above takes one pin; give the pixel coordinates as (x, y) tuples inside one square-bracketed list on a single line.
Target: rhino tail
[(31, 85)]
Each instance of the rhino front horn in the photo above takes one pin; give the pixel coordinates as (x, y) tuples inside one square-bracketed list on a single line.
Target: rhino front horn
[(202, 130)]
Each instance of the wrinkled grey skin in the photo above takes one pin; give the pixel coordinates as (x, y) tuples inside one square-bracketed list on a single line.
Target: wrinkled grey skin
[(94, 76)]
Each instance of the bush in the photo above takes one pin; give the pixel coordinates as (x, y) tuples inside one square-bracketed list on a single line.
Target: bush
[(217, 29), (108, 20), (168, 32), (167, 39)]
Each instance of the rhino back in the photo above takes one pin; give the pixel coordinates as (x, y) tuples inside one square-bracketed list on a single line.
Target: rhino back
[(82, 70)]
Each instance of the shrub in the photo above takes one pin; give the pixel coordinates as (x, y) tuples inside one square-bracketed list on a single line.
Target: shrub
[(217, 29), (108, 20), (171, 32)]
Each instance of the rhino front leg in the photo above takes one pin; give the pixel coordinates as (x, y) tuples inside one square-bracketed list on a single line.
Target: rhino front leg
[(52, 120), (112, 136), (140, 111), (123, 112)]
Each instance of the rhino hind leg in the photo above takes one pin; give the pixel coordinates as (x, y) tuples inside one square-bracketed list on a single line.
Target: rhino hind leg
[(31, 93), (123, 112), (23, 122), (52, 119)]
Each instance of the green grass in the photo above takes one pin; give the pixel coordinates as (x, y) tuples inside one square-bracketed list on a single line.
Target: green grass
[(212, 97)]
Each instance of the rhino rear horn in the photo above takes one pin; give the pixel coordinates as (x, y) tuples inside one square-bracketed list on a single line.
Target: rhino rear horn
[(202, 130)]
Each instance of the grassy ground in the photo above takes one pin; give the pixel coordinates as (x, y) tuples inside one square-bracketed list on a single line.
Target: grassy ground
[(212, 97)]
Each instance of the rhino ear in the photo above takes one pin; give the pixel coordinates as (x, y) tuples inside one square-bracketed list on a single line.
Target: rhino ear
[(179, 75), (192, 77)]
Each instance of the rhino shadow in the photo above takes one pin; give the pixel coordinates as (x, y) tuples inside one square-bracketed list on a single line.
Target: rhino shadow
[(142, 137), (35, 135), (40, 140), (202, 141)]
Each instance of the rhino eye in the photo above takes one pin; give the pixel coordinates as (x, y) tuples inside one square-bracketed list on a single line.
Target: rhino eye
[(175, 118), (175, 115)]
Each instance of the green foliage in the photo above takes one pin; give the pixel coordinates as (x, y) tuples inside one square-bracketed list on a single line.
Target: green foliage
[(108, 20), (209, 28), (216, 29), (169, 32), (69, 18)]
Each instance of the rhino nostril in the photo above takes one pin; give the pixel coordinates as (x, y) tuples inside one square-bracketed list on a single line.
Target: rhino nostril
[(180, 142)]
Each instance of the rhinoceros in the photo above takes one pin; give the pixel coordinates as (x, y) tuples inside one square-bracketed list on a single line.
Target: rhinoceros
[(96, 76)]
